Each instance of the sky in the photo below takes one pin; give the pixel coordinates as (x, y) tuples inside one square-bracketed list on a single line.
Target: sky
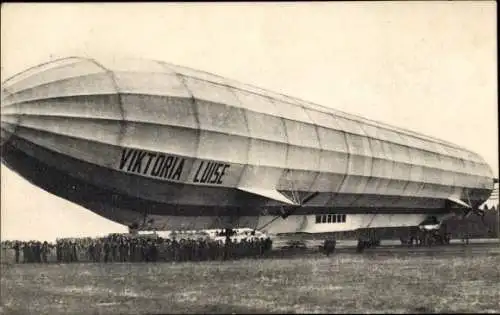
[(426, 66)]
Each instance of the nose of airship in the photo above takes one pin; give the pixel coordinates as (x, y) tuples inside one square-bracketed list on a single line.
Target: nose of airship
[(8, 118)]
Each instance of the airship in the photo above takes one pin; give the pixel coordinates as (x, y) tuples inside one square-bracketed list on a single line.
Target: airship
[(147, 143)]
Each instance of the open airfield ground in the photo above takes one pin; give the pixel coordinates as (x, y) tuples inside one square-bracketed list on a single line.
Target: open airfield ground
[(389, 279)]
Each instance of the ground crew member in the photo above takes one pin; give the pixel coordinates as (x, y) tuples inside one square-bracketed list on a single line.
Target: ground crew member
[(114, 250), (16, 249), (90, 251), (106, 251), (58, 251), (97, 250), (153, 252), (26, 253), (37, 252), (45, 250), (133, 249), (175, 250)]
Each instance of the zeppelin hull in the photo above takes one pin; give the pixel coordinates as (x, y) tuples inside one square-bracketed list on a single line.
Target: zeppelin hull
[(120, 197), (127, 138)]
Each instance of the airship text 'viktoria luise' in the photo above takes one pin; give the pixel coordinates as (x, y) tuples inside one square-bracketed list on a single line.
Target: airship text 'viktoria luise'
[(141, 141)]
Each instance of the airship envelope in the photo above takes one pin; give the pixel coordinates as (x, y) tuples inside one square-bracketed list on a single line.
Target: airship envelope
[(130, 137)]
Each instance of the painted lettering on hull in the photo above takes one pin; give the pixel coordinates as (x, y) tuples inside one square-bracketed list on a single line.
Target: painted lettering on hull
[(210, 172), (152, 164)]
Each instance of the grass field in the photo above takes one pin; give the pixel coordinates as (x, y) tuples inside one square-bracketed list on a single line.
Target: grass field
[(379, 281)]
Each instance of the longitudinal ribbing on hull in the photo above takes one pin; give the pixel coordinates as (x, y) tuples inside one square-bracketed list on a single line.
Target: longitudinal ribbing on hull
[(171, 135)]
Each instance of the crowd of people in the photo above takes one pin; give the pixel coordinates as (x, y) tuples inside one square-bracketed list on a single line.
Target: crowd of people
[(136, 248), (32, 251)]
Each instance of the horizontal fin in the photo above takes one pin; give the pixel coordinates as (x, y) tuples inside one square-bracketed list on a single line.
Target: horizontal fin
[(269, 193), (460, 202)]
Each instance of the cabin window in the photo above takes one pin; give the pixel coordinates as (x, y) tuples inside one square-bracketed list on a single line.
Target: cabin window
[(331, 218)]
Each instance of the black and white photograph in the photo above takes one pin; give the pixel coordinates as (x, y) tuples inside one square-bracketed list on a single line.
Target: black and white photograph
[(249, 157)]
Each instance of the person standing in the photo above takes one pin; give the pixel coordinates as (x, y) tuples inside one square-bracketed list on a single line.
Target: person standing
[(17, 249), (37, 252), (107, 249), (45, 251), (58, 251), (98, 250), (26, 252)]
